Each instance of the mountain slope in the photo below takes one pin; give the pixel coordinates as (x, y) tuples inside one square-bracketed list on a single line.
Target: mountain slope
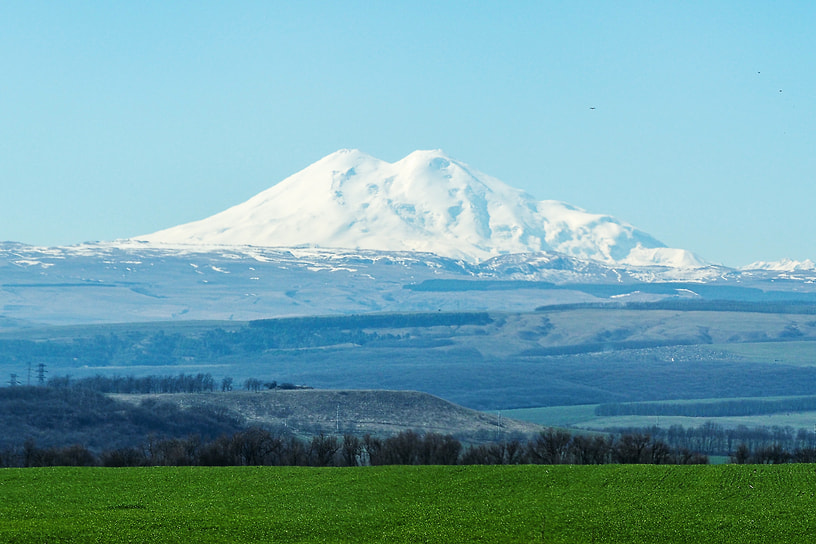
[(378, 412), (424, 202)]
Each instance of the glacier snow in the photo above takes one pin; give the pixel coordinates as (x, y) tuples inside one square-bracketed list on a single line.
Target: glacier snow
[(426, 202)]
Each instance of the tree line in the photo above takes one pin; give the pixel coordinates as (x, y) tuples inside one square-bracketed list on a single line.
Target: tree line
[(756, 301), (56, 417), (773, 454), (154, 384), (374, 321), (102, 346), (722, 408), (258, 446), (713, 439)]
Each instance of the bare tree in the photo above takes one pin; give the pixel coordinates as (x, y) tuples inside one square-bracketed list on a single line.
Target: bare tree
[(323, 449), (632, 448), (550, 447), (351, 449)]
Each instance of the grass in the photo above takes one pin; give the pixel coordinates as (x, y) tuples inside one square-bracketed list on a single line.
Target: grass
[(797, 420), (553, 504), (802, 353), (583, 416), (554, 416)]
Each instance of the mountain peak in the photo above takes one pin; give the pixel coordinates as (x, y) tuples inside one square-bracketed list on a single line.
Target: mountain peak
[(435, 156), (343, 157), (427, 202), (345, 154)]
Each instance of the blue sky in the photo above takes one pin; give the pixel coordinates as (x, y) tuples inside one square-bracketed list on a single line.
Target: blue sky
[(123, 118)]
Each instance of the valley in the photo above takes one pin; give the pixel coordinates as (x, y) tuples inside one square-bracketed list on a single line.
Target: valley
[(425, 278), (553, 367)]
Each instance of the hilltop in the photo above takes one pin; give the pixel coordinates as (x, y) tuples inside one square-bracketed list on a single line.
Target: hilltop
[(311, 412)]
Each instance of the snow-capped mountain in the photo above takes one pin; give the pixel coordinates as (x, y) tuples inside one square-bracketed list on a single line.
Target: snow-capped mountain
[(426, 202)]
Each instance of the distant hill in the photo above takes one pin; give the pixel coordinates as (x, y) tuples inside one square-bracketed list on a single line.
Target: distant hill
[(64, 416), (381, 413), (129, 282)]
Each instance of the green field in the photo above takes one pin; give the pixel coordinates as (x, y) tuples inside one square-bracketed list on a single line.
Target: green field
[(635, 503), (787, 353), (583, 416), (554, 416)]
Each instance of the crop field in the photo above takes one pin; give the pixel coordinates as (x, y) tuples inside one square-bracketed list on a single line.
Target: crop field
[(788, 353), (555, 416), (569, 504), (584, 416), (795, 420)]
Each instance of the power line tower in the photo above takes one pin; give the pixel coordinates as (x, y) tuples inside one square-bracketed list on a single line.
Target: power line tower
[(337, 419), (13, 382), (41, 372)]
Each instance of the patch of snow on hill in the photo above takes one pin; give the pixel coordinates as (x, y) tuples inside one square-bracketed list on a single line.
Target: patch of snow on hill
[(664, 256), (784, 265)]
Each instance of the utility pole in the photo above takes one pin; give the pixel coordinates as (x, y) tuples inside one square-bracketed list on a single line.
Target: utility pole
[(337, 419)]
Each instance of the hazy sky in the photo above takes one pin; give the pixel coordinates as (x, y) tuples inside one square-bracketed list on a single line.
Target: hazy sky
[(123, 118)]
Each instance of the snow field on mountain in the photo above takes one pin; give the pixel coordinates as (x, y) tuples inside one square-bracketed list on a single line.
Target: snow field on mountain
[(425, 202)]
